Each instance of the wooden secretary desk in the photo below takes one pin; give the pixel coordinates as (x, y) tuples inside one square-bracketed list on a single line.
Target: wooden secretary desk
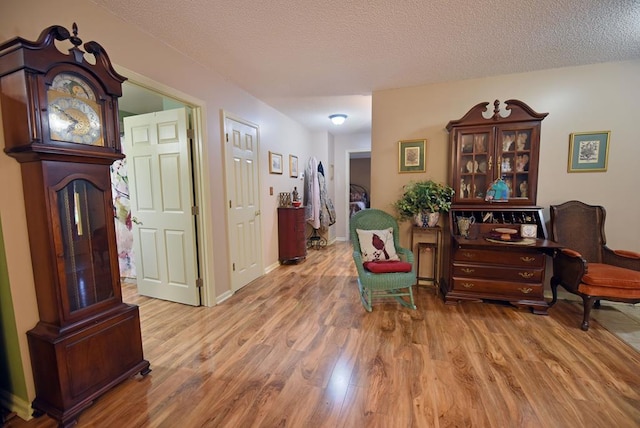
[(503, 257)]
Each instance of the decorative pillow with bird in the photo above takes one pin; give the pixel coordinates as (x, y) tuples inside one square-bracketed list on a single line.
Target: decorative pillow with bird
[(377, 245)]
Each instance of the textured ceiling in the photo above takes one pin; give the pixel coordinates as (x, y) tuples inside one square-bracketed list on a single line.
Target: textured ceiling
[(311, 58)]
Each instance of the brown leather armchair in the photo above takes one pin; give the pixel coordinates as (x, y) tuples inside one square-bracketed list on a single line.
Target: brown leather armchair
[(585, 265)]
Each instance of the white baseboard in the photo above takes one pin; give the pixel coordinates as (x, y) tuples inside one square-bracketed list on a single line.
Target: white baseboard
[(271, 267), (224, 296), (16, 405)]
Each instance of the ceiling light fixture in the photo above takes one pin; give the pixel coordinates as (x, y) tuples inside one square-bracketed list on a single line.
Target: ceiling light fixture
[(338, 119)]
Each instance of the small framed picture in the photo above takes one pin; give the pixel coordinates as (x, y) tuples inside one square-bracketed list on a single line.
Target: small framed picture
[(412, 156), (588, 151), (293, 166), (275, 163), (529, 231)]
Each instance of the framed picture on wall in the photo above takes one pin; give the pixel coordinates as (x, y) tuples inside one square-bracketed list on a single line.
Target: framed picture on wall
[(412, 156), (293, 166), (275, 163), (588, 151)]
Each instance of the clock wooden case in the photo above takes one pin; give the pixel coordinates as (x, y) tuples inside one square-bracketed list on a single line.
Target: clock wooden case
[(60, 117)]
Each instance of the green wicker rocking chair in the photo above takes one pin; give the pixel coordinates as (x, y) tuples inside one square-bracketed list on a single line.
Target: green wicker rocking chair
[(381, 285)]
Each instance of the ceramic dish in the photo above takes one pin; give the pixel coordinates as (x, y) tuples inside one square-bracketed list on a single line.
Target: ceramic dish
[(504, 230), (504, 238), (505, 234)]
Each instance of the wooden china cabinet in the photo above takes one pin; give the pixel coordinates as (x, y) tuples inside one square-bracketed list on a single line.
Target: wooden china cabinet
[(60, 117), (494, 170)]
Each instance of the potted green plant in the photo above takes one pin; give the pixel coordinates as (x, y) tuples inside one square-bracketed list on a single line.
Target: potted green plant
[(423, 201)]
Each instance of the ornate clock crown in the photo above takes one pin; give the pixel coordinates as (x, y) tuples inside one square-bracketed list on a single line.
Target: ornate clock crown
[(39, 63)]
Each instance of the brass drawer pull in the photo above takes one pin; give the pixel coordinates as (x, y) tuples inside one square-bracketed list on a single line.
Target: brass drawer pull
[(527, 259), (468, 270), (468, 255), (467, 284), (526, 290), (526, 275)]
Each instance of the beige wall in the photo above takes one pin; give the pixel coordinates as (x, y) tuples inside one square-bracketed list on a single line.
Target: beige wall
[(578, 99)]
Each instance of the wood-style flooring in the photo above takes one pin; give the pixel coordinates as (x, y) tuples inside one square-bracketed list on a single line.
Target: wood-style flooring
[(296, 348)]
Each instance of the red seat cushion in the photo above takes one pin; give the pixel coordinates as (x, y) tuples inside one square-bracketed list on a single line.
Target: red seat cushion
[(612, 281), (601, 275), (387, 267)]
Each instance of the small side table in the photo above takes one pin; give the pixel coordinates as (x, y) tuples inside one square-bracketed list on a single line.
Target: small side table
[(427, 240)]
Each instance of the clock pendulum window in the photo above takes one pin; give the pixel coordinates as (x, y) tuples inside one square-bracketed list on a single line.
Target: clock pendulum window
[(87, 339)]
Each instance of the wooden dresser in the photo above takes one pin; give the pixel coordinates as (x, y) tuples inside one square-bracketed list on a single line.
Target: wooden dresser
[(292, 243)]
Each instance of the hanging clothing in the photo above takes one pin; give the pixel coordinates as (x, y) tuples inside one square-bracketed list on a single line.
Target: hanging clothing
[(312, 193), (320, 213), (327, 212)]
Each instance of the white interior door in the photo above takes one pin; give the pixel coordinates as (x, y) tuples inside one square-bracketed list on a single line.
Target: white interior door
[(160, 186), (245, 236)]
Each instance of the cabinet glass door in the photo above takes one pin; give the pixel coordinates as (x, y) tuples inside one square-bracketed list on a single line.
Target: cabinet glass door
[(515, 157), (475, 165), (85, 265)]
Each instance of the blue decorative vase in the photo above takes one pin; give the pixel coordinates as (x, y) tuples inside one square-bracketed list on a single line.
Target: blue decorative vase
[(426, 219)]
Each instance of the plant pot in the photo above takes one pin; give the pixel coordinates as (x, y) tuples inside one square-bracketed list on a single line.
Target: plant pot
[(426, 219)]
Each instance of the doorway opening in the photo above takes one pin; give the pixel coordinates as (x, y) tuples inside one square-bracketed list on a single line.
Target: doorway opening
[(358, 193), (144, 98)]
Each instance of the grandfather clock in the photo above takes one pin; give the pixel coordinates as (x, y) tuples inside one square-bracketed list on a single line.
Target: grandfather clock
[(60, 116)]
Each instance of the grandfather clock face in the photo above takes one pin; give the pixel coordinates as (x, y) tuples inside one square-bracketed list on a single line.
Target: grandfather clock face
[(74, 114)]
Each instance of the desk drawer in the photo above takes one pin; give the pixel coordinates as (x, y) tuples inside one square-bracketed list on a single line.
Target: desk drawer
[(510, 258), (498, 288), (518, 274)]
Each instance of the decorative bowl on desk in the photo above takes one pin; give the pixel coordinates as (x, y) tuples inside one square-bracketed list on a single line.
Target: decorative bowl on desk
[(296, 203)]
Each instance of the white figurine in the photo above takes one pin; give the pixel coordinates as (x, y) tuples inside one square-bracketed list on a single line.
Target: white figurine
[(507, 141), (521, 142)]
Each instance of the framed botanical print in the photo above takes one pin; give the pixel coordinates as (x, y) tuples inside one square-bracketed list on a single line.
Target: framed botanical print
[(412, 156), (588, 151), (275, 163), (293, 166)]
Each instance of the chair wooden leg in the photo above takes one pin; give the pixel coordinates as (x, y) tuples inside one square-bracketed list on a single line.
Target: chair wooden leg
[(554, 290), (588, 302)]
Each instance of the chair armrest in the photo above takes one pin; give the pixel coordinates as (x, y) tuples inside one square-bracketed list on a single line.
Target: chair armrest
[(568, 268), (621, 258), (357, 259), (405, 254)]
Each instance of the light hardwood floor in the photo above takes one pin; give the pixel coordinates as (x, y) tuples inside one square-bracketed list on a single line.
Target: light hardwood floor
[(297, 349)]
